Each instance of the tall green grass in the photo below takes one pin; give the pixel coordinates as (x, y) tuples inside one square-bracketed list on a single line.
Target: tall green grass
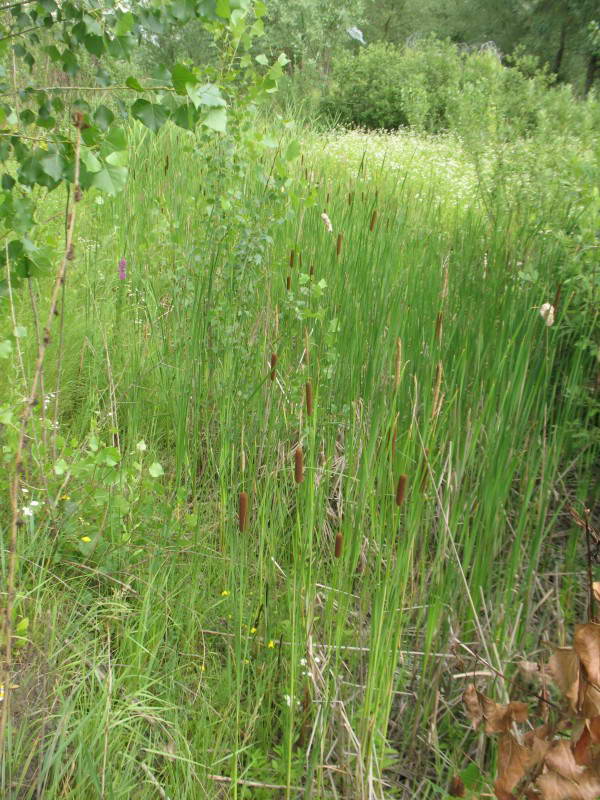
[(175, 655)]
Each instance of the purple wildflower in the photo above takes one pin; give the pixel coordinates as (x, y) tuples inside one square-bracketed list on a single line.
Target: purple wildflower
[(122, 269)]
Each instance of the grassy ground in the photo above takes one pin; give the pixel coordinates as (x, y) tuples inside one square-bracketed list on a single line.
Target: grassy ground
[(323, 649)]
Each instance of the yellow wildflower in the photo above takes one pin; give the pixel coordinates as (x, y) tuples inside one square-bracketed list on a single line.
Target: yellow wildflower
[(85, 539), (225, 593), (271, 644)]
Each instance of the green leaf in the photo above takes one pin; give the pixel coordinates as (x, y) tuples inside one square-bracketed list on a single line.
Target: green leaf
[(53, 165), (210, 95), (216, 120), (22, 627), (92, 164), (262, 59), (6, 348), (111, 179), (293, 150), (60, 467), (103, 117), (118, 158), (116, 137), (156, 470), (124, 24), (186, 116), (133, 83), (181, 76), (94, 45), (151, 115)]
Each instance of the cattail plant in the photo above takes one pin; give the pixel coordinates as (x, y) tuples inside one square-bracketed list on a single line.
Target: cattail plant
[(350, 198), (243, 511), (338, 246), (373, 220), (288, 283), (273, 365), (339, 544), (298, 464), (309, 398), (292, 257), (401, 489)]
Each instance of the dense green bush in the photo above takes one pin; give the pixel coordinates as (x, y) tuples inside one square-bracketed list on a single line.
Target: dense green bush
[(435, 86)]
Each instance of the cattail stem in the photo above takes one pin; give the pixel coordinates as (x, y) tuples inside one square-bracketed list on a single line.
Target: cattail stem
[(401, 489), (243, 511), (339, 544), (298, 464), (309, 399), (273, 365)]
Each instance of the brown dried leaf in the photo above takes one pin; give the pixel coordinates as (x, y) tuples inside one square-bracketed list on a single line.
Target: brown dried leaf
[(564, 669), (530, 670), (471, 700), (555, 787), (586, 644), (513, 764), (596, 590), (498, 718), (560, 759)]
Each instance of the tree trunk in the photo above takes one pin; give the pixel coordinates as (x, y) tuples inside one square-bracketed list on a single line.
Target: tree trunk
[(558, 58), (590, 75)]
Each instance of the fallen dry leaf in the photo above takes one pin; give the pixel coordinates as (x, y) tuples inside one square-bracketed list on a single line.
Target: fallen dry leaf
[(564, 668), (498, 718), (555, 787), (586, 643), (513, 763)]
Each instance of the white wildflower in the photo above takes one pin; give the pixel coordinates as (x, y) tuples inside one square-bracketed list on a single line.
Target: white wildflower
[(327, 222), (547, 314)]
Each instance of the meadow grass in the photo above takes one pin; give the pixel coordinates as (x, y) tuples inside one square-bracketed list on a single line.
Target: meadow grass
[(357, 492)]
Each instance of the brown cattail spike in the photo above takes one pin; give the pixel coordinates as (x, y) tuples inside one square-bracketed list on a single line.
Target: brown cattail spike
[(438, 326), (298, 464), (401, 489), (373, 221), (338, 247), (292, 256), (273, 365), (288, 283), (243, 511), (309, 399), (339, 544)]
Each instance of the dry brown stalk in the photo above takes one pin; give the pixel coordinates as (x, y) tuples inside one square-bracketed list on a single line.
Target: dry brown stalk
[(298, 464), (15, 484), (398, 363), (243, 511)]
